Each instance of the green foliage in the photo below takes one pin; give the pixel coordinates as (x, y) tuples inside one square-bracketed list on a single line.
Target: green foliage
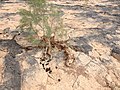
[(41, 17)]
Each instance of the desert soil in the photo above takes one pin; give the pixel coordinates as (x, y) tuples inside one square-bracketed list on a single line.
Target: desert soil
[(94, 33)]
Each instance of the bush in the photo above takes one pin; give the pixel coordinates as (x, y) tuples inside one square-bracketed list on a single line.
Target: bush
[(42, 20)]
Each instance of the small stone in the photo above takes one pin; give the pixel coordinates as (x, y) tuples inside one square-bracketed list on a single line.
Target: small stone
[(84, 59)]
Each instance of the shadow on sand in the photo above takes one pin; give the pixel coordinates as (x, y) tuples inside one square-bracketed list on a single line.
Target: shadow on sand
[(12, 72)]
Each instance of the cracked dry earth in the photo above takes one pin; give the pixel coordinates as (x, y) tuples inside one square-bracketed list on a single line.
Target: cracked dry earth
[(94, 31)]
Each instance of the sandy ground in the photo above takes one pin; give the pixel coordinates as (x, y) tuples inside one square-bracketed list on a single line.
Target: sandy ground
[(93, 26)]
